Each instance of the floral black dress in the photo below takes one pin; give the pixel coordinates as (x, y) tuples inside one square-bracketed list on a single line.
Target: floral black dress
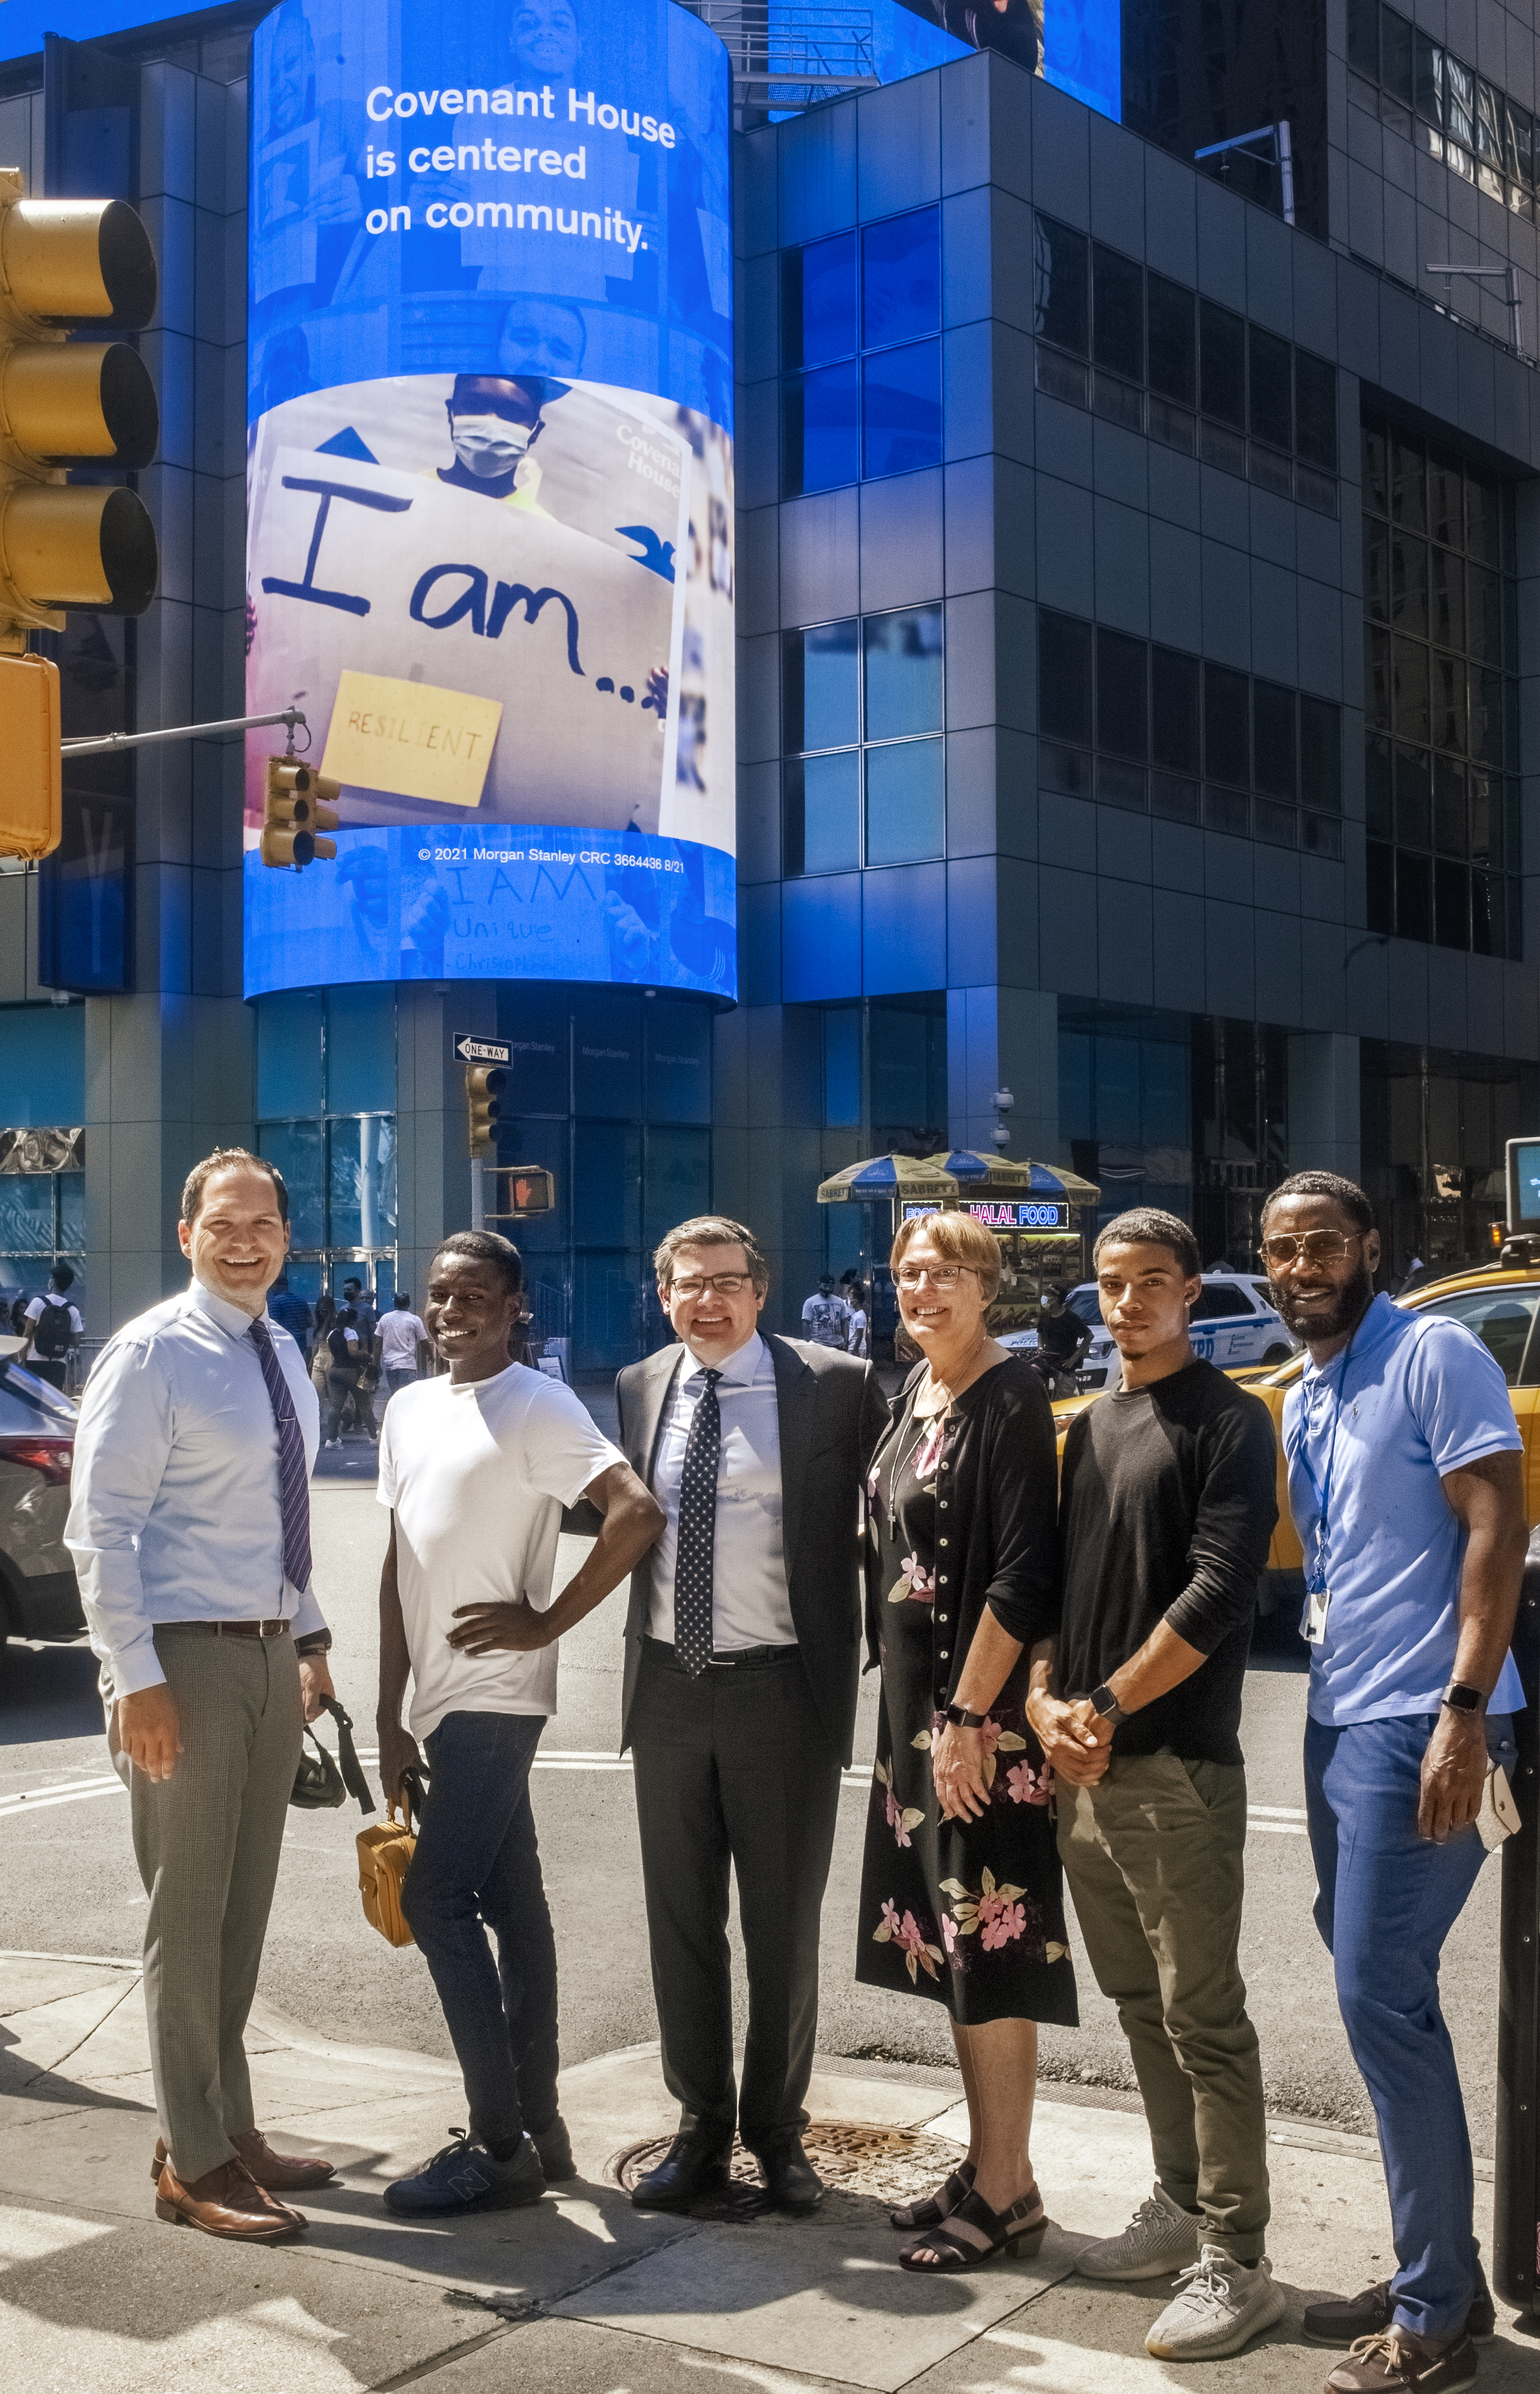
[(968, 1912)]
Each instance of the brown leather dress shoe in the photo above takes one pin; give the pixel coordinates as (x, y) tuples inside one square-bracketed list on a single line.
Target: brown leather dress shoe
[(280, 2173), (1399, 2362), (225, 2202)]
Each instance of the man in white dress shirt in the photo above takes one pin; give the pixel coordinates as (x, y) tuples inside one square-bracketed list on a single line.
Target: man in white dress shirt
[(189, 1525), (741, 1655)]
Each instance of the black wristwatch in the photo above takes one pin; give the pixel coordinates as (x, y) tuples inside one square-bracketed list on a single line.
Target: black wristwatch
[(1462, 1698), (1105, 1704), (961, 1719), (315, 1641)]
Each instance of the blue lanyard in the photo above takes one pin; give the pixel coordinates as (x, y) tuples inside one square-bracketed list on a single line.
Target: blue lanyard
[(1317, 1580)]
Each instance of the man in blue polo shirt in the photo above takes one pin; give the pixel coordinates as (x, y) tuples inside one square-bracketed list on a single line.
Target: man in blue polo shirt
[(1407, 1485)]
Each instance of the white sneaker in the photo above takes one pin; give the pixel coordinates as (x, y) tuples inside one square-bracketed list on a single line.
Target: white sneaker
[(1219, 2305), (1159, 2238)]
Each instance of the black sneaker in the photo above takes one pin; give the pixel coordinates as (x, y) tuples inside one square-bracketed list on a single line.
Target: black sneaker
[(1341, 2323), (555, 2147), (466, 2177)]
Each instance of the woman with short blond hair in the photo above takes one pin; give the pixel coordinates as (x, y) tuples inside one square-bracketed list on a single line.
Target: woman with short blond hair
[(960, 1895)]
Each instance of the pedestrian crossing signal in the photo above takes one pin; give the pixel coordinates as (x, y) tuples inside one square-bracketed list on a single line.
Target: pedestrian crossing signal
[(484, 1088), (297, 806), (522, 1190)]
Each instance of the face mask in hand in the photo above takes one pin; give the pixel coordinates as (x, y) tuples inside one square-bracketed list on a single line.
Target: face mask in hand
[(487, 445)]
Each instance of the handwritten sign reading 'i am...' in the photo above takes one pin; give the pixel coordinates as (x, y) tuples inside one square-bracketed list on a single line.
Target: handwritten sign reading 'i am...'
[(410, 738)]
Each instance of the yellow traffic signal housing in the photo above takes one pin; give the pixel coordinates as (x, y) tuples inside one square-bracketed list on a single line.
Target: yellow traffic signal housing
[(29, 822), (484, 1088), (65, 403), (296, 808)]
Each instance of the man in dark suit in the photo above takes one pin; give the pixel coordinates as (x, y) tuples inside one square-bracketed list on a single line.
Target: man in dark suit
[(740, 1676)]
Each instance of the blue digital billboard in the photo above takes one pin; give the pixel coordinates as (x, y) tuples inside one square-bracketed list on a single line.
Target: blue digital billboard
[(1076, 43), (490, 496)]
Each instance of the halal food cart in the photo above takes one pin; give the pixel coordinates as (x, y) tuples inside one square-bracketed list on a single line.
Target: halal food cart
[(1036, 1211)]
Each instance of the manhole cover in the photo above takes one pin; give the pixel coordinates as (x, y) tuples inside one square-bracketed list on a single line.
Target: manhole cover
[(892, 2165)]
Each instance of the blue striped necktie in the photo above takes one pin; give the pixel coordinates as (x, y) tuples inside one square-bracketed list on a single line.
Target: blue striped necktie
[(294, 1479)]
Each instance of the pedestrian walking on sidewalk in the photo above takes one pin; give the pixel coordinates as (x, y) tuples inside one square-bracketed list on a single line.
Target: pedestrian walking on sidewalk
[(398, 1344), (189, 1525), (1167, 1507), (1405, 1480), (740, 1696), (476, 1466), (962, 1891)]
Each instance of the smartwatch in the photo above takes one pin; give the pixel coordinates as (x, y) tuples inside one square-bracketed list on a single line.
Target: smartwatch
[(1105, 1704), (1462, 1698), (315, 1641), (961, 1719)]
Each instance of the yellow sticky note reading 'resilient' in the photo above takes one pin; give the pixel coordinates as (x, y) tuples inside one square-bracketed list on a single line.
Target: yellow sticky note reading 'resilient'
[(411, 739)]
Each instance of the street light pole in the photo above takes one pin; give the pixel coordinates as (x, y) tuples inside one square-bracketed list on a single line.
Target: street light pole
[(1509, 277)]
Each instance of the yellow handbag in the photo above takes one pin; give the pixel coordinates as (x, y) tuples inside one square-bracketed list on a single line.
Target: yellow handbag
[(385, 1858)]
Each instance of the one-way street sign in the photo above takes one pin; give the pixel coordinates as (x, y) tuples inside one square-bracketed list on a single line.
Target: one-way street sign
[(473, 1050)]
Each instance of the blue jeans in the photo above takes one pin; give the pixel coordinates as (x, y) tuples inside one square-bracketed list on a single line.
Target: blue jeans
[(1387, 1901), (477, 1867)]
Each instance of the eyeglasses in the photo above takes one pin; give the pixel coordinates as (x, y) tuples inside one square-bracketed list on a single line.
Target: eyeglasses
[(724, 1283), (939, 1275), (1312, 1246)]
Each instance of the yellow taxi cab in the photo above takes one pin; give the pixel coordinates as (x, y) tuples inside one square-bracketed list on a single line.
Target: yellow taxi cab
[(1500, 1306)]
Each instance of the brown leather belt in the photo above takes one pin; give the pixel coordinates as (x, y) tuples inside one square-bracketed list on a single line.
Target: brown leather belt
[(229, 1628)]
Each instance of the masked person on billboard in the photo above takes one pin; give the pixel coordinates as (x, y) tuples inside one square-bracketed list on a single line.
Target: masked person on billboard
[(494, 423)]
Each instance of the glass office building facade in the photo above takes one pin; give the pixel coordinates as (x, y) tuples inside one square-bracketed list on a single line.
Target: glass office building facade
[(1136, 608)]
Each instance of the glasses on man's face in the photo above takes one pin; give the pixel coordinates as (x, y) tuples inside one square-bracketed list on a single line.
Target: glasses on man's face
[(723, 1283), (1290, 1247), (939, 1275)]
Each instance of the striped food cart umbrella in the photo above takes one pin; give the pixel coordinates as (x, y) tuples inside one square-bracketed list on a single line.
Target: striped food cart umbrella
[(890, 1179)]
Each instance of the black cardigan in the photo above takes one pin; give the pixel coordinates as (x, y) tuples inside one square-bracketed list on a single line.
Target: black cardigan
[(999, 1479)]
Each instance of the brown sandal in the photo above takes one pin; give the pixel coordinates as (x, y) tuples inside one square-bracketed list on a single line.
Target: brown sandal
[(974, 2234), (938, 2206)]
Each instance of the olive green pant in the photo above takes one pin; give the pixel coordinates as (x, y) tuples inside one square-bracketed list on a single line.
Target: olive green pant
[(208, 1841), (1155, 1858)]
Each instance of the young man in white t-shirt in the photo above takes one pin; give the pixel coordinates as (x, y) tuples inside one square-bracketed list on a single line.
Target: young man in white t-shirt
[(475, 1468)]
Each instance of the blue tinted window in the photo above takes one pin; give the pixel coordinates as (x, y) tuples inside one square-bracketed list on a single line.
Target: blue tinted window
[(821, 430), (679, 1064), (904, 653), (821, 697), (288, 1056), (361, 1198), (842, 1069), (818, 302), (901, 278), (902, 391), (607, 1179), (295, 1149), (360, 1051), (678, 1182), (1060, 260), (904, 805), (823, 814)]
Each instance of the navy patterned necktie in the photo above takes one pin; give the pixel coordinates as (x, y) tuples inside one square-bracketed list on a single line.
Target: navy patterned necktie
[(694, 1552), (294, 1480)]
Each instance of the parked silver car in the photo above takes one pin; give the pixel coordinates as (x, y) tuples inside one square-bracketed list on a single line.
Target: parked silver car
[(39, 1594)]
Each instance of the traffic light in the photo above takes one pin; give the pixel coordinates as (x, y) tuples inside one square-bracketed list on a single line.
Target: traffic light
[(484, 1088), (522, 1190), (30, 791), (65, 403), (297, 806)]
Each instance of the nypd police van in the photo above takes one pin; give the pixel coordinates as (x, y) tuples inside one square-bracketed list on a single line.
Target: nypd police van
[(1235, 1322)]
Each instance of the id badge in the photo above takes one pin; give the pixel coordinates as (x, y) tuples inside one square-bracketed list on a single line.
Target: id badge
[(1314, 1630)]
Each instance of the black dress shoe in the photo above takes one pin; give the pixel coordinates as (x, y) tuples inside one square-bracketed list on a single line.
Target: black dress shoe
[(790, 2180), (690, 2167)]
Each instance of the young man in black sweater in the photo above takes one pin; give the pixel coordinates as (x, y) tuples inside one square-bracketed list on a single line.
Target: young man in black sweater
[(1167, 1503)]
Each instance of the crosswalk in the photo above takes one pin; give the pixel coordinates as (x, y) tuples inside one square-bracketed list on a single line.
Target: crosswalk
[(1266, 1820)]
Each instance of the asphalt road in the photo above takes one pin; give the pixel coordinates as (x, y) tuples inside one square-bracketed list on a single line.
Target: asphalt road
[(68, 1884)]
